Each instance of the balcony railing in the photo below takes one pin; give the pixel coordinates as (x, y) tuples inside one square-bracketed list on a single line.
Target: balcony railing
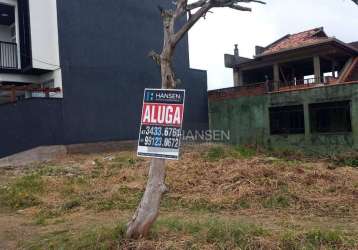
[(257, 89), (8, 55), (299, 84)]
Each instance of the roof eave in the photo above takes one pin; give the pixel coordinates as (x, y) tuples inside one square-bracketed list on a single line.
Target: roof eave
[(327, 41), (295, 48), (348, 46)]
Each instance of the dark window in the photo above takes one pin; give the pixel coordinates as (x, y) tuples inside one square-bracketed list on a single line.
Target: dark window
[(287, 120), (330, 117)]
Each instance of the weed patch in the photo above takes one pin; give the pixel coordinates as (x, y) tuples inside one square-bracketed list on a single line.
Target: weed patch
[(225, 235), (287, 154), (217, 194), (245, 152), (22, 193), (216, 153), (124, 198), (69, 205), (277, 201), (195, 205), (317, 239), (241, 204), (122, 161), (96, 238), (45, 214), (54, 170), (349, 159)]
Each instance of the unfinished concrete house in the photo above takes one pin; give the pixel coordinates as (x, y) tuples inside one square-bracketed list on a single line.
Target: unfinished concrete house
[(300, 91)]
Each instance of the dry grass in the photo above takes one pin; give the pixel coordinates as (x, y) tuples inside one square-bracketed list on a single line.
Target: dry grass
[(220, 197)]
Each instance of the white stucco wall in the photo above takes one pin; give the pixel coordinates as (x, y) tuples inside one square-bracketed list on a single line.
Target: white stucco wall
[(44, 34), (44, 42)]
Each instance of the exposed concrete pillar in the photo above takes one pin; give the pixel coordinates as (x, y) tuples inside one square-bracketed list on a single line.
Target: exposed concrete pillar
[(276, 76), (238, 81), (307, 123), (236, 77), (317, 69)]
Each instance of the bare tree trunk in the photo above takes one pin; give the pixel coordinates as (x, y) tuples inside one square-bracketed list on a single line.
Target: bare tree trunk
[(168, 78), (148, 210)]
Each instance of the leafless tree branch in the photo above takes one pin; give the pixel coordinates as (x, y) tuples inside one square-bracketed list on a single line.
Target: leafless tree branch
[(201, 8)]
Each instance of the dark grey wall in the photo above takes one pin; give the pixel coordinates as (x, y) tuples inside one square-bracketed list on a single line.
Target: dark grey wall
[(30, 123), (104, 47)]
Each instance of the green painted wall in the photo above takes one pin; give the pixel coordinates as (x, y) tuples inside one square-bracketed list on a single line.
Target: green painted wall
[(247, 118)]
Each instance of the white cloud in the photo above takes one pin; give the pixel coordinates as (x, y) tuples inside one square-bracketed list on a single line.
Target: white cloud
[(216, 35)]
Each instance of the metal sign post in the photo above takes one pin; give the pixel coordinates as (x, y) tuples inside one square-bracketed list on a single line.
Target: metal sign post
[(161, 123)]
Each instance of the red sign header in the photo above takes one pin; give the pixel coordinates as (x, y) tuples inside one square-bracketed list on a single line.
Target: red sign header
[(162, 114)]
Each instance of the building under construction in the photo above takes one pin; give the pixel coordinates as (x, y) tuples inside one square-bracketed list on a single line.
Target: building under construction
[(300, 91)]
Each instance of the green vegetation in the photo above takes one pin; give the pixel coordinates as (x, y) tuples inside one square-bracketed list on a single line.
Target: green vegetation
[(195, 205), (348, 159), (220, 234), (96, 238), (245, 152), (281, 199), (219, 152), (124, 160), (71, 204), (23, 192), (216, 153), (227, 235), (241, 204), (123, 198), (45, 214), (50, 169), (217, 233), (221, 197), (287, 153), (317, 239), (277, 201)]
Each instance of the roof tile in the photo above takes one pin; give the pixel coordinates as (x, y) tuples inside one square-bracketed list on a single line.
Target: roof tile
[(296, 40)]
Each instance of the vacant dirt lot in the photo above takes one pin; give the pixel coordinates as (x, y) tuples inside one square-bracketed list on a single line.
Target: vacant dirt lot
[(220, 198)]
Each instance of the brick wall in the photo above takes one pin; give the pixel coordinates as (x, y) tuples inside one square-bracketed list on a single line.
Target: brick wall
[(232, 93)]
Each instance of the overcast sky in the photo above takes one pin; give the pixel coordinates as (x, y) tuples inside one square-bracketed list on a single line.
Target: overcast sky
[(211, 38)]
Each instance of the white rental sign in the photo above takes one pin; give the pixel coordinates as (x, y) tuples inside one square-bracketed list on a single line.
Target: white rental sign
[(161, 123)]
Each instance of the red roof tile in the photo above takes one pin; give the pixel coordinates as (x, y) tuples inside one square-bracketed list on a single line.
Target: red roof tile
[(296, 40)]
